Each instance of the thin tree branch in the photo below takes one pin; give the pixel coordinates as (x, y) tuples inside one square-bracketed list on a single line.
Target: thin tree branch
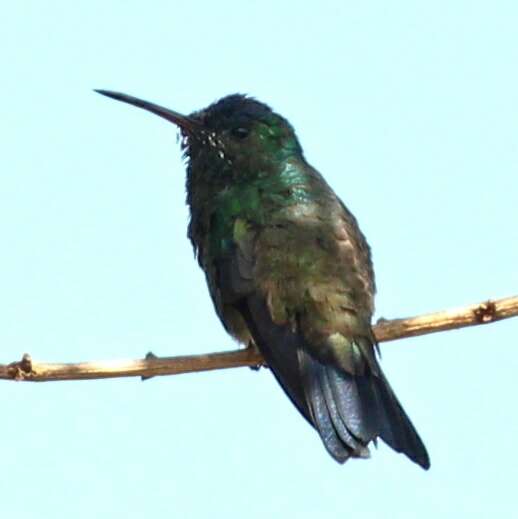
[(385, 330)]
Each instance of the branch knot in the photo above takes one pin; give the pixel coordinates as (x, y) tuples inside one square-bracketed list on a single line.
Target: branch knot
[(485, 312), (21, 369)]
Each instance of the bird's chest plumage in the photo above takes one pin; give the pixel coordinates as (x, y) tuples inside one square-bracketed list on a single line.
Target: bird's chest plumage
[(218, 197)]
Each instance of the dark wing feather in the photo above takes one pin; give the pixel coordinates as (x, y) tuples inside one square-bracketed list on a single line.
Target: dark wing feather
[(279, 346)]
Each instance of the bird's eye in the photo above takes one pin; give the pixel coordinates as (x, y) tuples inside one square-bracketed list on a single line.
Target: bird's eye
[(240, 132)]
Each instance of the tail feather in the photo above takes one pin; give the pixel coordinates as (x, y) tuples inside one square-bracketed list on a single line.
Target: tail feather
[(326, 419), (348, 411), (359, 447), (361, 408), (356, 402), (397, 430), (325, 409)]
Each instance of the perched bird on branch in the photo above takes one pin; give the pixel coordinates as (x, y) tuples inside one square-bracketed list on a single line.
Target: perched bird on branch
[(289, 271)]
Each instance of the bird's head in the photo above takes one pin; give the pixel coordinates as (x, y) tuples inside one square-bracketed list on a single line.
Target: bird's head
[(235, 133)]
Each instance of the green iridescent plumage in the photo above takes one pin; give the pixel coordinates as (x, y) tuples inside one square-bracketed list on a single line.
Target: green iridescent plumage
[(289, 271)]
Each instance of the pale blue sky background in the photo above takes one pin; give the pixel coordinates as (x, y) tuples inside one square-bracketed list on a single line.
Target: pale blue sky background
[(409, 109)]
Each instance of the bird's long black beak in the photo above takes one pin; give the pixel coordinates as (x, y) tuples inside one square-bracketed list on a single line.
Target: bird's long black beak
[(184, 122)]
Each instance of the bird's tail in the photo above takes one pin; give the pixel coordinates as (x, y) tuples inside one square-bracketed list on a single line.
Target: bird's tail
[(348, 410)]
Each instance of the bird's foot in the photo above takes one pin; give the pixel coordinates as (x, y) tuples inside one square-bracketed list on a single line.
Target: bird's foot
[(254, 349)]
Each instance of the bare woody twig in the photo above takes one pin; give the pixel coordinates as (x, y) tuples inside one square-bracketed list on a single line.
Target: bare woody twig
[(385, 330)]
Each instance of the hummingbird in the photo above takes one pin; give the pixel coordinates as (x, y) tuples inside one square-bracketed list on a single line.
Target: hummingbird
[(288, 270)]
